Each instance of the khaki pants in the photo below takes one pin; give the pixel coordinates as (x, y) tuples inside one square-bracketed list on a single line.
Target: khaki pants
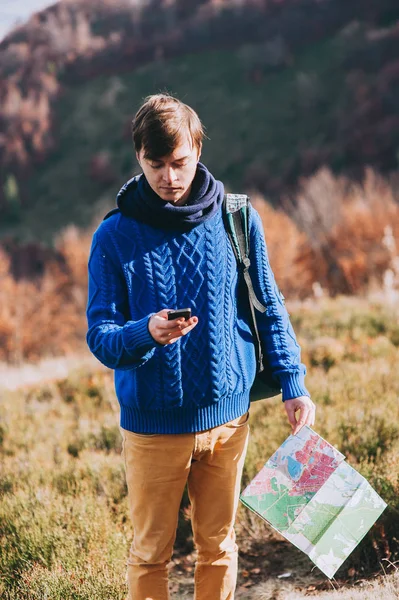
[(157, 469)]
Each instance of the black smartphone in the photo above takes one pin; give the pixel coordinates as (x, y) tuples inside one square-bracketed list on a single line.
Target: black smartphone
[(180, 313)]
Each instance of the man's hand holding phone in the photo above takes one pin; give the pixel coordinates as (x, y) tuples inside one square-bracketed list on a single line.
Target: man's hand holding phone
[(167, 326)]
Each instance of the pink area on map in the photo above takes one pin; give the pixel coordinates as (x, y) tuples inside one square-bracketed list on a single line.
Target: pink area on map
[(303, 455), (262, 483), (319, 458), (315, 474)]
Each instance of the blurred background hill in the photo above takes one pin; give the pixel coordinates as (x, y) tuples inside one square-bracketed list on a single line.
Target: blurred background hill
[(284, 88)]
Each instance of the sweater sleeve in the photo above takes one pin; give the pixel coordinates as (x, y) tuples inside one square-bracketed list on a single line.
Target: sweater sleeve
[(116, 341), (275, 329)]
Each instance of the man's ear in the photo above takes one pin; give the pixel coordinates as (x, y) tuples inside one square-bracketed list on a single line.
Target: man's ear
[(138, 158), (199, 152)]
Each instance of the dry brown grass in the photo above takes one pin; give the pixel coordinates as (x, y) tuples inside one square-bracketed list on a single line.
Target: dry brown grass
[(64, 525), (382, 588), (13, 377)]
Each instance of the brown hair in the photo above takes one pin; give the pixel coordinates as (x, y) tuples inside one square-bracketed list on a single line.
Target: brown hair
[(161, 122)]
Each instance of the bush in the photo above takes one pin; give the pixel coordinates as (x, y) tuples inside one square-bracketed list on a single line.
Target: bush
[(369, 439)]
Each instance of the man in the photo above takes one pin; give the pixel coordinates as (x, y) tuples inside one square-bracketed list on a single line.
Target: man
[(183, 385)]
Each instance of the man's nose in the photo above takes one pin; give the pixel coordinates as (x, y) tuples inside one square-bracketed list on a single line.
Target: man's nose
[(169, 175)]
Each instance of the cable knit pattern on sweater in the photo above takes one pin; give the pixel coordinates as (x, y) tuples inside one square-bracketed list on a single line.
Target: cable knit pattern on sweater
[(216, 261), (203, 379)]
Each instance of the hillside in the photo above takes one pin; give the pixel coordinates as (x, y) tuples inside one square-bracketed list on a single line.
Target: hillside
[(282, 89)]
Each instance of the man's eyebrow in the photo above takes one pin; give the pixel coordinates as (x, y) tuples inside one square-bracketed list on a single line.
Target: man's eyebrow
[(182, 158), (176, 159)]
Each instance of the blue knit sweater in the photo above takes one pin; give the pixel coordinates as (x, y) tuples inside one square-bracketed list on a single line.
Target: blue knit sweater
[(203, 380)]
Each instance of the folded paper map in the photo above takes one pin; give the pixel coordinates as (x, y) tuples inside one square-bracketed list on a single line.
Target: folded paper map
[(308, 493)]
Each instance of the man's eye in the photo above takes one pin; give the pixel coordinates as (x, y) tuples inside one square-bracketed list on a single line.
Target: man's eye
[(156, 166)]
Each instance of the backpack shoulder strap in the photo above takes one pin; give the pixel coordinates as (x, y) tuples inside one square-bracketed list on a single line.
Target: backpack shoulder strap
[(236, 212), (236, 219)]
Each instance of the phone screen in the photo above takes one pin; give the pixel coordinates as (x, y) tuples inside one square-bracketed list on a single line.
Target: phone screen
[(180, 313)]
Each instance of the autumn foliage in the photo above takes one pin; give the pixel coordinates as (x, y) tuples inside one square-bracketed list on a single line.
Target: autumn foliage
[(335, 237), (45, 316)]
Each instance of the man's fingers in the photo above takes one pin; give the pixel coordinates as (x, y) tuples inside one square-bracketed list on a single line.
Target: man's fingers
[(181, 332), (173, 326), (303, 417), (166, 332), (291, 415), (190, 326), (306, 408), (183, 327), (167, 325), (311, 415)]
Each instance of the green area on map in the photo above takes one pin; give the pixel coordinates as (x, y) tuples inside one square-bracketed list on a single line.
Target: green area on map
[(316, 500)]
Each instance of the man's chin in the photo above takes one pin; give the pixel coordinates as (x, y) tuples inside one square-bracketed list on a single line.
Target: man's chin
[(172, 196)]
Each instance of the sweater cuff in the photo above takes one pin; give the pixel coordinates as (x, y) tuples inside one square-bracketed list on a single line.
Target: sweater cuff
[(137, 338), (293, 385)]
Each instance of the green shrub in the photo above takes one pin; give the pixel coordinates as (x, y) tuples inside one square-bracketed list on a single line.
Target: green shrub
[(325, 352), (368, 439), (6, 485), (108, 439), (58, 583), (2, 435)]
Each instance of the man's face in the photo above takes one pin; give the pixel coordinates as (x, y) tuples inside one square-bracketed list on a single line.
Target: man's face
[(171, 176)]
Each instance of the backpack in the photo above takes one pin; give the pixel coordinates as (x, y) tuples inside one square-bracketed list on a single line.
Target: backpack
[(236, 221)]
